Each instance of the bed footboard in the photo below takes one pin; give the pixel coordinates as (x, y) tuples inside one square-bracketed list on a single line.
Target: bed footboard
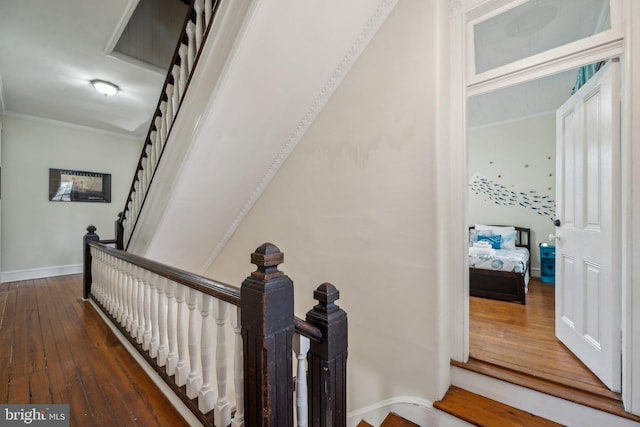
[(498, 285)]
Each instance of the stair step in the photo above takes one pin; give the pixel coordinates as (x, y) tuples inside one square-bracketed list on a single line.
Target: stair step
[(392, 420), (484, 412)]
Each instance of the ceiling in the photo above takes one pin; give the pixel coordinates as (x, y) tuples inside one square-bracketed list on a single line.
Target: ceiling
[(51, 50)]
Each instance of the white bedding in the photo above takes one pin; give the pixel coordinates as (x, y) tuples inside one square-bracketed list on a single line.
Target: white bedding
[(515, 260)]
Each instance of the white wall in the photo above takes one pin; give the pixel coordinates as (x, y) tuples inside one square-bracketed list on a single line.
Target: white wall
[(520, 156), (354, 205), (42, 238)]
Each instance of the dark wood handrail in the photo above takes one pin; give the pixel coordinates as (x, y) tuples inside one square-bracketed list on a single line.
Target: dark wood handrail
[(306, 329), (222, 291)]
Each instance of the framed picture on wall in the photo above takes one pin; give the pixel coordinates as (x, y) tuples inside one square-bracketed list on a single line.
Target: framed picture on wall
[(79, 186)]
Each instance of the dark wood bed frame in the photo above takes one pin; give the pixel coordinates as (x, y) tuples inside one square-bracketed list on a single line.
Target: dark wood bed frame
[(502, 285)]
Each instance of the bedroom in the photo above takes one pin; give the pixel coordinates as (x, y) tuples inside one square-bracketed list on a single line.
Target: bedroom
[(512, 181)]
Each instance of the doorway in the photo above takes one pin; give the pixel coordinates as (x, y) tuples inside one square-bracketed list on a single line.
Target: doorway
[(512, 150)]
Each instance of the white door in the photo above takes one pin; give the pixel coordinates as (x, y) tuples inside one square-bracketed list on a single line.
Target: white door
[(588, 308)]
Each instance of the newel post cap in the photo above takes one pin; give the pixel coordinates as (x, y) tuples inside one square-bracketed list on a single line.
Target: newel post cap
[(267, 257)]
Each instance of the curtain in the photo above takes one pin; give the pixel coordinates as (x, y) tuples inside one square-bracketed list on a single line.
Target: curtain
[(585, 73)]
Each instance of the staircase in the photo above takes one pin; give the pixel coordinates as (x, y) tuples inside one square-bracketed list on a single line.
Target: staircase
[(481, 411), (392, 420), (262, 75)]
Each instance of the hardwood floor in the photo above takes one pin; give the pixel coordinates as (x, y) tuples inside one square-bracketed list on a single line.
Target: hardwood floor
[(54, 348), (522, 338)]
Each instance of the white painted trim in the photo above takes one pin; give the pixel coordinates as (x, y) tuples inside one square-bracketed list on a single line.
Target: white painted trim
[(122, 24), (38, 273), (411, 408), (629, 47), (537, 403), (452, 209), (119, 56), (525, 73), (630, 231), (74, 126), (182, 409), (1, 97), (352, 54), (605, 38)]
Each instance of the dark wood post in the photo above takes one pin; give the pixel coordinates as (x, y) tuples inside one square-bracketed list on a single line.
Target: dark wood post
[(89, 237), (119, 231), (267, 331), (327, 361)]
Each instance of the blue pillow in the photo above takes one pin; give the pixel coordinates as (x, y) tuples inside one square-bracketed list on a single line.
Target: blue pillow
[(494, 239)]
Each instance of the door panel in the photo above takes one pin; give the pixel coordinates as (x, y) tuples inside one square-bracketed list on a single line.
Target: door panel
[(588, 274)]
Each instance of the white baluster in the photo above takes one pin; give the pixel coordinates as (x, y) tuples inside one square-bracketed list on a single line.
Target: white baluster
[(182, 369), (169, 114), (184, 68), (124, 292), (199, 28), (194, 381), (140, 286), (154, 149), (146, 340), (191, 47), (113, 284), (208, 12), (163, 122), (163, 350), (155, 332), (205, 397), (105, 277), (238, 369), (129, 300), (134, 302), (159, 139), (301, 348), (172, 358), (177, 95), (222, 414)]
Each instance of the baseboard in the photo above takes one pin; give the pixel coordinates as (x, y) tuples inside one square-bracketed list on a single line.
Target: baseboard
[(416, 410), (535, 272), (39, 273)]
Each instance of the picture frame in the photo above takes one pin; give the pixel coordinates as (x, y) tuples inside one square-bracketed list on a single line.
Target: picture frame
[(67, 185)]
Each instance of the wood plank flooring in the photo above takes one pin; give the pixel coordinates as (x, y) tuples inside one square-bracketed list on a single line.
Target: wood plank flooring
[(522, 338), (54, 348)]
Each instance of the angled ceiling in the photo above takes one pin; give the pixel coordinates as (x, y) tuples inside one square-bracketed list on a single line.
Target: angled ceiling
[(49, 52)]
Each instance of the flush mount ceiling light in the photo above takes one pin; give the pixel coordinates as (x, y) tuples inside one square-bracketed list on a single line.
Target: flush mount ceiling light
[(104, 87)]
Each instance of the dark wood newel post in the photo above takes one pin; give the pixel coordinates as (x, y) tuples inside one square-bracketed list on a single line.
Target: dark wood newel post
[(119, 231), (267, 330), (327, 361), (87, 280)]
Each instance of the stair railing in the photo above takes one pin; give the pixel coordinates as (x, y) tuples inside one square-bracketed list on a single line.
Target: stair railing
[(192, 37), (190, 329)]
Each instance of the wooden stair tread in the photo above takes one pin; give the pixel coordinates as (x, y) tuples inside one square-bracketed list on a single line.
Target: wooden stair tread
[(391, 420), (484, 412), (606, 403)]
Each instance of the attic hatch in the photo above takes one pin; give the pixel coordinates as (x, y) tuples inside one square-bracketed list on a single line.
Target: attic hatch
[(152, 32)]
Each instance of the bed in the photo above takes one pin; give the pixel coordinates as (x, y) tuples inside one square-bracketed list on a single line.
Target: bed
[(487, 277)]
